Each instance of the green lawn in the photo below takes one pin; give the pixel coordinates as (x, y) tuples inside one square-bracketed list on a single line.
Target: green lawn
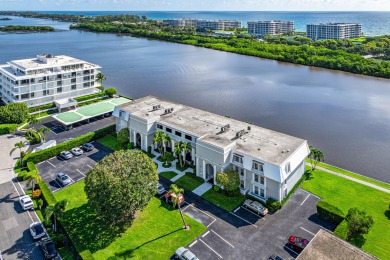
[(182, 169), (155, 233), (225, 202), (346, 194), (168, 175), (354, 175), (189, 182), (111, 142), (66, 253)]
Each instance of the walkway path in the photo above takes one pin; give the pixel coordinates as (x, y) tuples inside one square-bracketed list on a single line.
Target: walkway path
[(202, 189), (354, 179)]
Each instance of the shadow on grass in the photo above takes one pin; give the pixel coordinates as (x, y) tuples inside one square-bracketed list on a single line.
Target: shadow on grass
[(129, 253), (87, 231), (387, 214), (357, 240)]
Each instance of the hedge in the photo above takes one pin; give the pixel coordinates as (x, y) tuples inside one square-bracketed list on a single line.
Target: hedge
[(341, 230), (86, 255), (47, 195), (54, 151), (329, 212), (7, 128), (42, 107), (88, 97)]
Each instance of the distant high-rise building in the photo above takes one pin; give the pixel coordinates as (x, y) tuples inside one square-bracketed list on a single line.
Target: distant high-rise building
[(270, 27), (204, 24), (337, 31)]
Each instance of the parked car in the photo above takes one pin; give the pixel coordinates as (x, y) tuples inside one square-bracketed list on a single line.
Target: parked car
[(48, 248), (37, 230), (66, 155), (107, 114), (87, 147), (76, 151), (168, 198), (297, 243), (26, 202), (256, 207), (185, 254), (160, 189), (63, 179), (275, 257)]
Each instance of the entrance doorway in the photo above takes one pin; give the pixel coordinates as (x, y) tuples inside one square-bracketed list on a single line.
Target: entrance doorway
[(138, 140), (210, 173)]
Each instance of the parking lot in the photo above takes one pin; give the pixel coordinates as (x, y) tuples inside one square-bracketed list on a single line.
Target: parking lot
[(76, 167)]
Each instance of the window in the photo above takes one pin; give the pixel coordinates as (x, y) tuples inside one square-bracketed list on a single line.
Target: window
[(121, 113), (257, 166), (32, 94), (188, 137), (261, 180), (59, 83), (73, 80), (86, 84), (59, 90), (256, 178), (44, 93), (168, 130), (73, 74), (177, 133), (242, 184), (242, 172), (237, 158), (24, 96), (288, 167), (59, 76), (256, 190), (159, 126), (262, 193), (73, 87)]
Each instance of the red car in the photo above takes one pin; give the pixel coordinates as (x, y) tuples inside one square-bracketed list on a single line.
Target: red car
[(297, 243)]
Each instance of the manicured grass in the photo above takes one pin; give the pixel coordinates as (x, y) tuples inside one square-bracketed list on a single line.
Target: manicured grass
[(66, 253), (225, 202), (111, 142), (155, 233), (168, 175), (354, 175), (182, 169), (346, 194), (150, 155), (189, 182), (168, 165)]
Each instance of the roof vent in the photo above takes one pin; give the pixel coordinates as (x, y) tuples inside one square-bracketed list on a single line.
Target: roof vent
[(283, 151), (225, 128), (249, 128), (240, 133), (156, 107)]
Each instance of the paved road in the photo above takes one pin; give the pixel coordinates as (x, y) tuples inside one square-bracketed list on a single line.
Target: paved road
[(15, 238)]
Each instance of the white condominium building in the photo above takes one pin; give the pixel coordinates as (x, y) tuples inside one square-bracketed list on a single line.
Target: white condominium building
[(203, 24), (46, 78), (337, 31), (269, 163), (270, 27)]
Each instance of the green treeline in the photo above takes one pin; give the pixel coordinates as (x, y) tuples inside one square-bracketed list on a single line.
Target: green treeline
[(14, 28), (304, 54)]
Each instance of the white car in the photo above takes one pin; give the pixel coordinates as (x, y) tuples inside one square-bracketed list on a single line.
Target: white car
[(63, 179), (185, 254), (76, 151), (37, 230), (26, 202)]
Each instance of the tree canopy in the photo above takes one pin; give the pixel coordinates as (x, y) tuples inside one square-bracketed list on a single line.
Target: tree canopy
[(358, 222), (14, 113), (315, 156), (111, 92), (229, 180), (120, 185)]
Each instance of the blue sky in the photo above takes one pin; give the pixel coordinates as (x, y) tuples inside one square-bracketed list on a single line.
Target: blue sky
[(197, 5)]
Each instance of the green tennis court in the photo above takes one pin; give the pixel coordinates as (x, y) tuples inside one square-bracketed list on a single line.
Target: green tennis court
[(89, 111)]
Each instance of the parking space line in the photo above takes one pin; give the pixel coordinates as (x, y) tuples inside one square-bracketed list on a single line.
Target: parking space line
[(222, 238), (58, 183), (243, 219), (210, 248), (80, 172), (193, 243), (80, 179), (51, 164), (305, 199), (211, 223), (71, 179), (55, 190), (189, 205), (89, 166), (257, 215), (205, 234), (291, 250), (308, 231), (236, 209)]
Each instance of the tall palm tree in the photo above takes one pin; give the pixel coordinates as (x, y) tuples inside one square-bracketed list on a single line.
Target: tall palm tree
[(315, 157), (55, 211), (33, 121), (175, 192), (19, 146), (165, 138), (158, 140), (100, 77), (41, 131), (185, 147), (177, 151), (32, 179)]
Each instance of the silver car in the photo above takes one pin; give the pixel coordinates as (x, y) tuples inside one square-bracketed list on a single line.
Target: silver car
[(185, 254), (160, 189), (63, 179), (256, 207), (76, 151), (66, 155)]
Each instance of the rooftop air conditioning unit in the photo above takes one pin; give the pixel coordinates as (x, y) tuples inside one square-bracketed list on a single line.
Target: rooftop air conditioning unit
[(249, 128)]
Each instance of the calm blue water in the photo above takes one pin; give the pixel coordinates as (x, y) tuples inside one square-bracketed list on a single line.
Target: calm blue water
[(374, 23)]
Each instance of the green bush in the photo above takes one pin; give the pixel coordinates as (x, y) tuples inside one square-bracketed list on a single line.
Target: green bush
[(341, 230), (47, 195), (59, 240), (86, 255), (88, 97), (7, 128), (42, 107), (40, 203), (54, 151), (123, 136), (110, 92), (329, 212), (216, 188), (40, 215), (32, 136), (130, 145), (273, 205), (14, 113)]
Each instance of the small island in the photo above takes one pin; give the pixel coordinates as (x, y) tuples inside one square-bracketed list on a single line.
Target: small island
[(22, 28), (5, 19)]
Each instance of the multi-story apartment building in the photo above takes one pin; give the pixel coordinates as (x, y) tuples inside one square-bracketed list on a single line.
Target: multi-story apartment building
[(46, 78), (269, 163), (270, 27), (203, 24), (337, 31)]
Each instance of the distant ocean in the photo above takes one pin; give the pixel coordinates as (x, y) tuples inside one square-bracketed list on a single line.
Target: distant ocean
[(374, 23)]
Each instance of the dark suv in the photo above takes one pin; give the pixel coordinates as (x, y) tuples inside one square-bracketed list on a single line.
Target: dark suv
[(87, 147), (48, 248)]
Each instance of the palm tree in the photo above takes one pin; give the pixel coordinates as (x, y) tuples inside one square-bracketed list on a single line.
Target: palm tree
[(41, 132), (165, 138), (32, 179), (55, 211), (175, 192), (158, 140), (177, 151), (185, 147), (33, 120), (100, 77), (315, 157), (19, 145)]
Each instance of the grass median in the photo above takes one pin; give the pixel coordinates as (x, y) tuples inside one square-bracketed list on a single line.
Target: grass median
[(111, 142), (346, 194), (189, 181), (168, 175), (226, 202), (156, 232)]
